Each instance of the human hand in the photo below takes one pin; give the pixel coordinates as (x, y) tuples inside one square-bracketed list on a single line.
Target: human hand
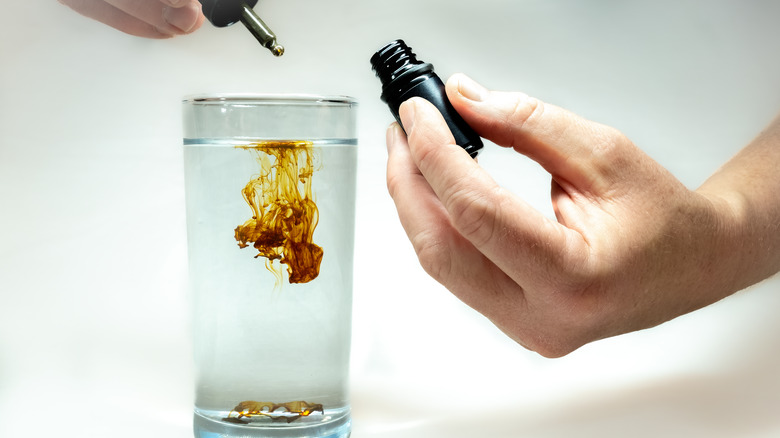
[(144, 18), (632, 247)]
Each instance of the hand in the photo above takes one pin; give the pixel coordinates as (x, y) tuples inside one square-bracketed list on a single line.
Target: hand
[(144, 18), (631, 248)]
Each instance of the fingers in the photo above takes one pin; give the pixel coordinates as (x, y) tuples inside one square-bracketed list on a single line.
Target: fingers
[(167, 19), (185, 15), (423, 217), (442, 251), (147, 18), (521, 242), (586, 154)]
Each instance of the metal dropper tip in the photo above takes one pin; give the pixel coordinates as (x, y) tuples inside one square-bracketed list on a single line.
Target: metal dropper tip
[(260, 30)]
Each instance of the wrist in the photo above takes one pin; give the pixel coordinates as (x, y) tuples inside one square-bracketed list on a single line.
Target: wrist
[(742, 252)]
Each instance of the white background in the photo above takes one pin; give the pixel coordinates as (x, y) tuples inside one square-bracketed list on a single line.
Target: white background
[(94, 337)]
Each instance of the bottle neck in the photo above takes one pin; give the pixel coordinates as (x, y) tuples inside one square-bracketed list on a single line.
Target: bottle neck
[(398, 68)]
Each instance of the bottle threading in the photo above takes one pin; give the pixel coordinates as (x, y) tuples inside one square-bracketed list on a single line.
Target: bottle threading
[(403, 76)]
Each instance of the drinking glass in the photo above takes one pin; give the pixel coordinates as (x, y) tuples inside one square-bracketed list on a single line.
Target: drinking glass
[(270, 198)]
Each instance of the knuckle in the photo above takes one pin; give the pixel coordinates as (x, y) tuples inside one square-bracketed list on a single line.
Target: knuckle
[(554, 350), (610, 143), (526, 109), (574, 318), (612, 152), (433, 255), (394, 182), (558, 339), (427, 150), (539, 337), (474, 213)]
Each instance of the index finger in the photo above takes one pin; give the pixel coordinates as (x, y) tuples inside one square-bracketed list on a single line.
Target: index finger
[(444, 254), (183, 17)]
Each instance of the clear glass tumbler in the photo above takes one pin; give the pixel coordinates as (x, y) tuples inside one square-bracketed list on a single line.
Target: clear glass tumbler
[(270, 195)]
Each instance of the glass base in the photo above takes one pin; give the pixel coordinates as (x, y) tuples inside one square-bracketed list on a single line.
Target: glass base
[(207, 428)]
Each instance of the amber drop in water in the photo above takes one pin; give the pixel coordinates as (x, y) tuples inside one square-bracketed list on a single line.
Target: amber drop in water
[(288, 412), (284, 214)]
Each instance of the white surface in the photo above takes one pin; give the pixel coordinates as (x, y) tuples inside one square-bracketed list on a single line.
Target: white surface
[(94, 337)]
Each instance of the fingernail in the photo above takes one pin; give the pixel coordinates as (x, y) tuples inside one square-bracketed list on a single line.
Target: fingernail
[(471, 90), (406, 112), (182, 18), (392, 135)]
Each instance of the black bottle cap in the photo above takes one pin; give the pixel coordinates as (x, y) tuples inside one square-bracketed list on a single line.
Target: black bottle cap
[(396, 63), (403, 76), (223, 13)]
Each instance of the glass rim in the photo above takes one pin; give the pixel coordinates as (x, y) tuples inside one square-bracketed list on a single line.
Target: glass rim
[(268, 99)]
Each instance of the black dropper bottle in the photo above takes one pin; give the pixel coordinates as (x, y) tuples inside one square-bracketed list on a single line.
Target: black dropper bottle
[(404, 77), (223, 13)]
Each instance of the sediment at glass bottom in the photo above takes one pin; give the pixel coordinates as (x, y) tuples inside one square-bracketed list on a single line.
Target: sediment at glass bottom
[(339, 426)]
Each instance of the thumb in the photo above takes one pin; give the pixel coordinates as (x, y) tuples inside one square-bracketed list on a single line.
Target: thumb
[(569, 147)]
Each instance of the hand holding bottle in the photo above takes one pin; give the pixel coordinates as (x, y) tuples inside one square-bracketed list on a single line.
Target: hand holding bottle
[(632, 247)]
